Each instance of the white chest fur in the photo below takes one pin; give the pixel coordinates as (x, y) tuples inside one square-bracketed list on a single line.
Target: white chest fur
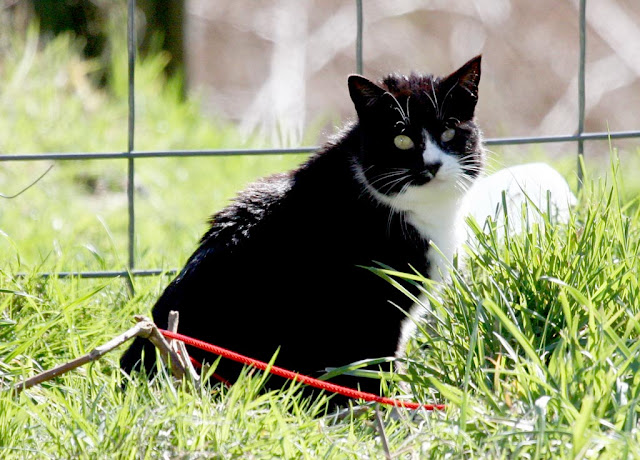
[(433, 208), (438, 223)]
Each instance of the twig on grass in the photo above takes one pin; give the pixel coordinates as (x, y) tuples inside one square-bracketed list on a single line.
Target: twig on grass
[(142, 329), (172, 324), (382, 433), (145, 329), (181, 350), (169, 357)]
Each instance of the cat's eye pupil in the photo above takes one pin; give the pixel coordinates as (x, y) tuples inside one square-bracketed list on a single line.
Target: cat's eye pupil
[(403, 142), (447, 135)]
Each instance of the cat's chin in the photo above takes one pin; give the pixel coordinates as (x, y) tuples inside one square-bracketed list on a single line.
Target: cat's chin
[(437, 192)]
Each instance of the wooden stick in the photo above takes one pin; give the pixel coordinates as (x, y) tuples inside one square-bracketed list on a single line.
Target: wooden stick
[(169, 357), (181, 349), (383, 434), (172, 325), (145, 329), (174, 320), (142, 329)]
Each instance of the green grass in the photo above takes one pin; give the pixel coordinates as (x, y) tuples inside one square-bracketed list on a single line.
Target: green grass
[(66, 113), (533, 346), (534, 349)]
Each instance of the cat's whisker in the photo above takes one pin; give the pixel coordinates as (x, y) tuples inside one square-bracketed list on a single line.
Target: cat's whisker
[(404, 116), (489, 151), (470, 163), (404, 229), (433, 90), (391, 172), (464, 180), (468, 160), (395, 209), (472, 168), (463, 186), (391, 184), (466, 177), (401, 122), (387, 174), (392, 211), (471, 180), (435, 107), (398, 175), (444, 101), (365, 191), (492, 160)]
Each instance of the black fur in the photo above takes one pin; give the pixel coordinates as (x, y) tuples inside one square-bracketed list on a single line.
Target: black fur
[(281, 267)]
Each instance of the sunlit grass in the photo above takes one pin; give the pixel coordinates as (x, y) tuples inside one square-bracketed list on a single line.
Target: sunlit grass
[(537, 336), (533, 347), (76, 216)]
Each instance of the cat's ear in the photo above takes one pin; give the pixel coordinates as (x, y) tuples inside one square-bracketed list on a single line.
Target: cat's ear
[(363, 92), (467, 76), (462, 86)]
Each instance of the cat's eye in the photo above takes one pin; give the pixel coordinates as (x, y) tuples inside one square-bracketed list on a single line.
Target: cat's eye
[(447, 135), (403, 142)]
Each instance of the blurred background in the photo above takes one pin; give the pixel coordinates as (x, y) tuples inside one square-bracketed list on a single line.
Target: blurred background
[(279, 68), (242, 74), (286, 61)]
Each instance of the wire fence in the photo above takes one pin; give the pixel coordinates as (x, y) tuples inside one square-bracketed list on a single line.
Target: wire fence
[(580, 137)]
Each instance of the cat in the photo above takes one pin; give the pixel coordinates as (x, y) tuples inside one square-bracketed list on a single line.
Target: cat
[(284, 267)]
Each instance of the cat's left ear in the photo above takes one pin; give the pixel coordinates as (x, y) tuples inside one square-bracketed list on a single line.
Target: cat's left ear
[(467, 76), (363, 92), (462, 85)]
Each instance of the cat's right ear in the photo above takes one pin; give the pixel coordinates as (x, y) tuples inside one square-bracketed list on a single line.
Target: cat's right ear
[(364, 93)]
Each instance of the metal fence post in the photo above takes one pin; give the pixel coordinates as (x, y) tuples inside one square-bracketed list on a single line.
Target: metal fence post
[(359, 24), (131, 52), (131, 42), (581, 89)]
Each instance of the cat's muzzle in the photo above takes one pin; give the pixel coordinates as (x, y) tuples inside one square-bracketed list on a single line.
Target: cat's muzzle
[(427, 174)]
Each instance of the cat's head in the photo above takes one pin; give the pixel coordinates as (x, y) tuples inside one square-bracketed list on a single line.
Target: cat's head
[(418, 133)]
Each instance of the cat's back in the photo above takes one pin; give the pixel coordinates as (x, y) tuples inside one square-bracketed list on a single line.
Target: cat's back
[(253, 207), (288, 206)]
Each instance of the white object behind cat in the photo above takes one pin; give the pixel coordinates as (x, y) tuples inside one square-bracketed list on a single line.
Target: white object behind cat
[(536, 184)]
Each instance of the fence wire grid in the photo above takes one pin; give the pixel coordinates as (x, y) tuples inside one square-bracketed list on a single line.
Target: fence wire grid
[(580, 137)]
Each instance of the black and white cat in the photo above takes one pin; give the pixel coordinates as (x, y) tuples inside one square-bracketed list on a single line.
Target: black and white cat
[(282, 267)]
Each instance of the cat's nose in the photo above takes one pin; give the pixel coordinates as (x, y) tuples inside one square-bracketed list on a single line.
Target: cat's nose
[(430, 169)]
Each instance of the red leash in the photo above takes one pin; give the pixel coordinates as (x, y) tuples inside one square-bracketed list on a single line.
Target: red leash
[(332, 387)]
